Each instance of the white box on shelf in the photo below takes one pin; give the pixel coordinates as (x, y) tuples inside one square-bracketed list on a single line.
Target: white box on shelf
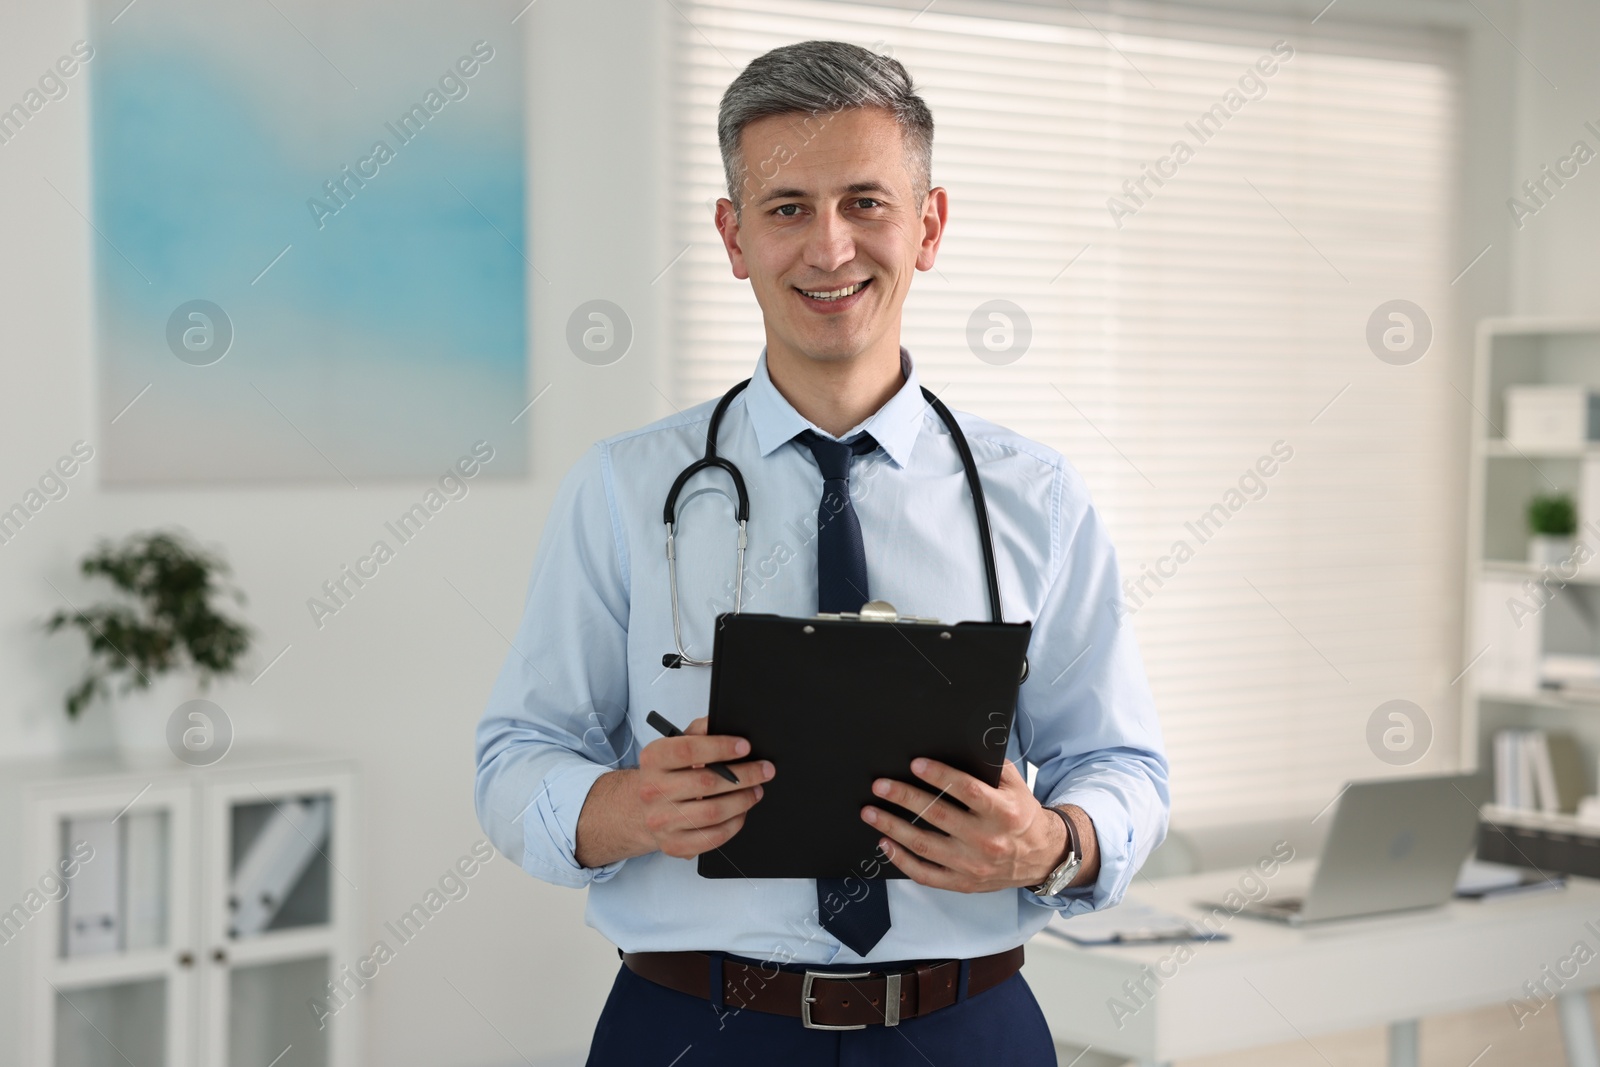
[(1568, 670), (1552, 416)]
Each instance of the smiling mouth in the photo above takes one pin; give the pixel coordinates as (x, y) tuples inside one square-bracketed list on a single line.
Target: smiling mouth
[(835, 294)]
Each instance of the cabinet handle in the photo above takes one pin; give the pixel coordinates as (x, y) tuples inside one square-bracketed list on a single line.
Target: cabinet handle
[(186, 959), (219, 955)]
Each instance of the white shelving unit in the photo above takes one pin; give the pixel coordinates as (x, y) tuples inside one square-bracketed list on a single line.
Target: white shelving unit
[(1503, 478), (155, 976)]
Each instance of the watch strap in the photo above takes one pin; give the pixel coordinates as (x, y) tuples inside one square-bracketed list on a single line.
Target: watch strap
[(1072, 851), (1072, 835)]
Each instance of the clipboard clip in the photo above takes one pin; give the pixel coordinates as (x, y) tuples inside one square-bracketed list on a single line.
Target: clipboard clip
[(878, 611), (883, 611)]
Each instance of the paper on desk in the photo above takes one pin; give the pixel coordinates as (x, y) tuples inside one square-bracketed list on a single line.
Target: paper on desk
[(1129, 923), (1481, 880)]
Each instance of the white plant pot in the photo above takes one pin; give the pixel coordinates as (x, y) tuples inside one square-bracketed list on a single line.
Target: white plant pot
[(94, 731), (133, 722), (139, 718), (1545, 550)]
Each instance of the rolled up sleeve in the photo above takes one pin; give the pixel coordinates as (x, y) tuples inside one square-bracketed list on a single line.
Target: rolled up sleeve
[(1085, 715), (556, 717)]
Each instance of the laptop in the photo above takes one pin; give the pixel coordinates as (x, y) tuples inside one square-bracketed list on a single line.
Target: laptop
[(1395, 844)]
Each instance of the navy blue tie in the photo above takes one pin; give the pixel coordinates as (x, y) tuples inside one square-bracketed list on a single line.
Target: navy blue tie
[(842, 586)]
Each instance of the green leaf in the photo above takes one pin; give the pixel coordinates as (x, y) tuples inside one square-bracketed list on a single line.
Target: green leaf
[(162, 621)]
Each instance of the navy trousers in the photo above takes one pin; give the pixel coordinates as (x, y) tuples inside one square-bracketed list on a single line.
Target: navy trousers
[(647, 1024)]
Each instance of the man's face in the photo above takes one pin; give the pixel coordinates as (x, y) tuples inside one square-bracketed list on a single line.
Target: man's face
[(827, 205)]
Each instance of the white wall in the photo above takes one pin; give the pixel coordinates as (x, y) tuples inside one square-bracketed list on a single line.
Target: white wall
[(400, 676), (1555, 251)]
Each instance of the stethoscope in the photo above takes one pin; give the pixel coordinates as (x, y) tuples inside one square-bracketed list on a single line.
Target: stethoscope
[(742, 514)]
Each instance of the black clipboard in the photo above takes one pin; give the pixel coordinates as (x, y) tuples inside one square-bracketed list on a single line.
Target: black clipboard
[(838, 702)]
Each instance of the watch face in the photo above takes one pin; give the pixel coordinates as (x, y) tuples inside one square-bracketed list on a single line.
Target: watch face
[(1061, 876)]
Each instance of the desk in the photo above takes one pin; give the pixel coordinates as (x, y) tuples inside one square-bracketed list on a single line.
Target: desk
[(1273, 982)]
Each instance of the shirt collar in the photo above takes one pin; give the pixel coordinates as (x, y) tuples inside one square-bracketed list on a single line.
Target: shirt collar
[(895, 425)]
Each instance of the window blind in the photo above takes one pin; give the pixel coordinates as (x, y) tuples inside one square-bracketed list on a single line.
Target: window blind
[(1186, 333)]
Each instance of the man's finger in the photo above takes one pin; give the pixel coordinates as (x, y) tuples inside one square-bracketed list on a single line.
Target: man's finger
[(696, 751), (918, 869), (691, 782), (713, 810), (929, 807), (707, 838), (698, 726), (1011, 776), (977, 796), (930, 844)]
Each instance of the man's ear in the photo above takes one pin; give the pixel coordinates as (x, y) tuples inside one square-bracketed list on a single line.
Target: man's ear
[(728, 229), (935, 215)]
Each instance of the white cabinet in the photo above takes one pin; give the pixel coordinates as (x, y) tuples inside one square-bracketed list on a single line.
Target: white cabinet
[(1526, 616), (159, 914)]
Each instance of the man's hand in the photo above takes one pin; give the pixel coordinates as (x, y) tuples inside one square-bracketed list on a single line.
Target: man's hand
[(671, 802), (1005, 839), (686, 808)]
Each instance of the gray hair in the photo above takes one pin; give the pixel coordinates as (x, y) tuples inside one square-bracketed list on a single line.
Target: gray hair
[(814, 77)]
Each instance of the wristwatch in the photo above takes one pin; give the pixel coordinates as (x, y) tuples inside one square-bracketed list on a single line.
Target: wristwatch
[(1057, 879)]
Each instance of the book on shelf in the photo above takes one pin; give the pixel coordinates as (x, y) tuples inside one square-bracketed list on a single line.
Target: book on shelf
[(144, 878), (1538, 770), (117, 902), (92, 919)]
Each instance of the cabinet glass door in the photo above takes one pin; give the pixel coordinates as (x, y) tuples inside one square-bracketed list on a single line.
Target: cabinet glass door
[(115, 947), (278, 867), (112, 1025), (279, 897), (268, 1015), (119, 870)]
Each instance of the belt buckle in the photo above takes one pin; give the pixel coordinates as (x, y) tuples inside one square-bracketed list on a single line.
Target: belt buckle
[(891, 998)]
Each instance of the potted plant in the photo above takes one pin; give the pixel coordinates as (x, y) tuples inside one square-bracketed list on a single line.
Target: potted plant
[(1552, 522), (163, 621)]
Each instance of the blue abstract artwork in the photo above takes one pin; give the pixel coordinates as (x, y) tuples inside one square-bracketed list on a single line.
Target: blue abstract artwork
[(309, 251)]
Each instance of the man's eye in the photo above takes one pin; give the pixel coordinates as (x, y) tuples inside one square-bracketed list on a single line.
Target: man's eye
[(780, 209), (867, 200)]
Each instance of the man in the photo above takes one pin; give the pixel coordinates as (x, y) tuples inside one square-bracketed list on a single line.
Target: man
[(827, 154)]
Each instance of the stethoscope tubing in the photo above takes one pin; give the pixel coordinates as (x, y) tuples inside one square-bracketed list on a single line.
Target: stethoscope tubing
[(742, 513)]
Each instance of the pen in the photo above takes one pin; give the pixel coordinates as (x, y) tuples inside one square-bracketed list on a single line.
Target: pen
[(666, 729)]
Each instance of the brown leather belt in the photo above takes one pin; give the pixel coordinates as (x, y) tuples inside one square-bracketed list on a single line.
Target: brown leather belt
[(827, 1000)]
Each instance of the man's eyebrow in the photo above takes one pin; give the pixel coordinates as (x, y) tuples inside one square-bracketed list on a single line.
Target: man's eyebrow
[(800, 194)]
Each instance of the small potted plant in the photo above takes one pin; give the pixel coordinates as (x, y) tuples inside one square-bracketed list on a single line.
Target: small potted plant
[(1552, 522), (162, 623)]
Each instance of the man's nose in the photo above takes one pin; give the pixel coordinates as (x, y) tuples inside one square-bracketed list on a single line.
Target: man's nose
[(831, 243)]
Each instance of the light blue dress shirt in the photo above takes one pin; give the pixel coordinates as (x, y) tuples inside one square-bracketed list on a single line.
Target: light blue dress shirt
[(571, 699)]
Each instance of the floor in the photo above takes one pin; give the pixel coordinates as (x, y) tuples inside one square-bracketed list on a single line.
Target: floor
[(1486, 1037)]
